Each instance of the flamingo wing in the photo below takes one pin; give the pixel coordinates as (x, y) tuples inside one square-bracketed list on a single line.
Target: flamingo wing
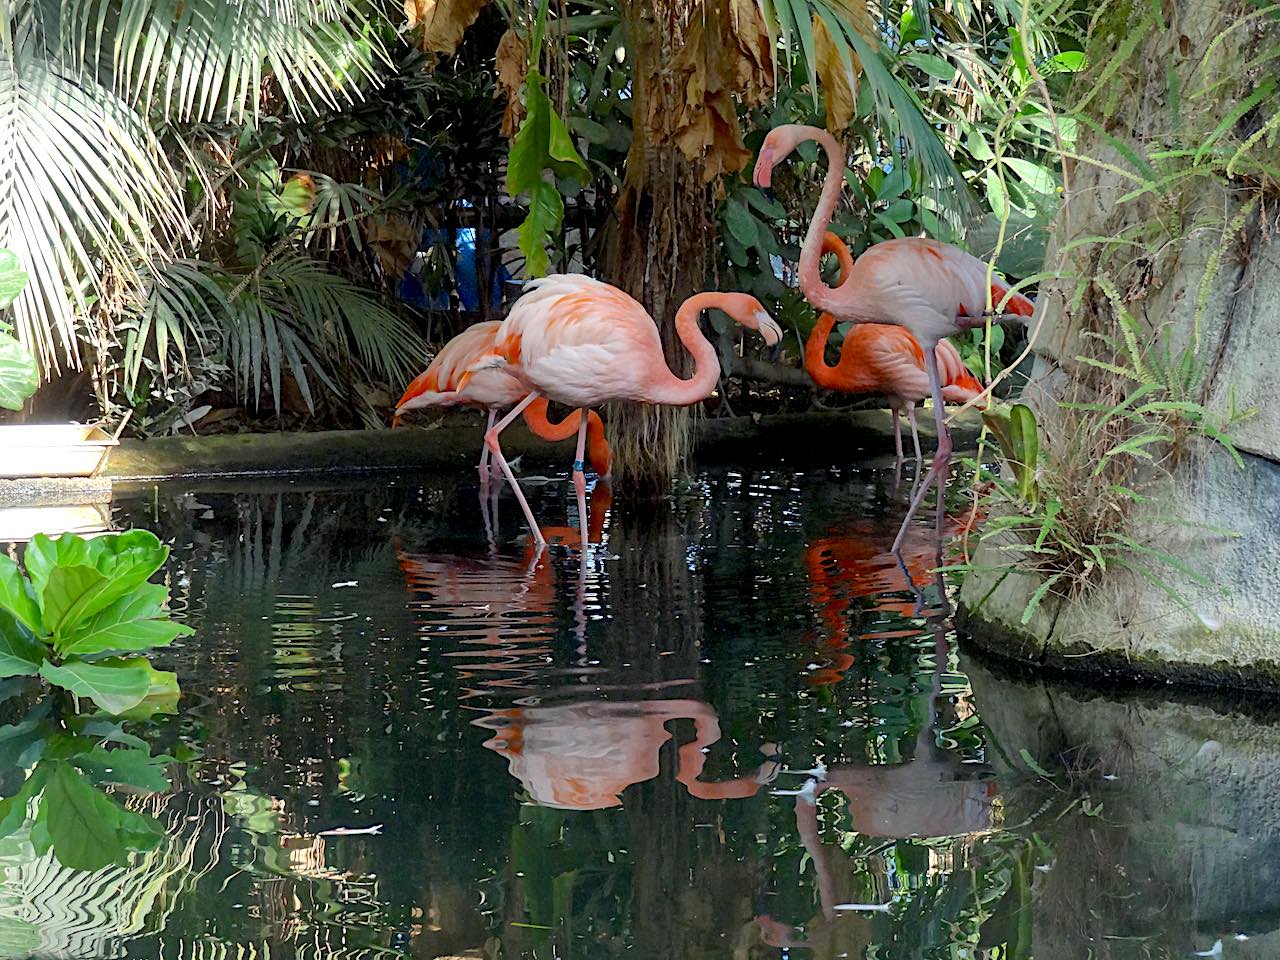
[(924, 285)]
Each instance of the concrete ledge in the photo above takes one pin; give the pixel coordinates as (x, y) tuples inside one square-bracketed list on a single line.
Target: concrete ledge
[(54, 491), (811, 437)]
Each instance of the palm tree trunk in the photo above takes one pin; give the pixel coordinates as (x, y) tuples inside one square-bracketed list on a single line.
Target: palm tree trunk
[(656, 248)]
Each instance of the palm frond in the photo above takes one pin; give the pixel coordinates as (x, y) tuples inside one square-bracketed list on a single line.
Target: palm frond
[(206, 59), (899, 112), (85, 192)]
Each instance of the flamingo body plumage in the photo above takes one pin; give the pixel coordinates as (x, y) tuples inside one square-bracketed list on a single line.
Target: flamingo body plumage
[(449, 382), (882, 359)]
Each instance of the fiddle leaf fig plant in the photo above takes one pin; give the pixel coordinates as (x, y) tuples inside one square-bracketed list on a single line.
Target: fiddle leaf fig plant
[(19, 376), (82, 611)]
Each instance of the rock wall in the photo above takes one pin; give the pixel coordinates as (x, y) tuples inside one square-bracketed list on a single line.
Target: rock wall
[(1195, 266)]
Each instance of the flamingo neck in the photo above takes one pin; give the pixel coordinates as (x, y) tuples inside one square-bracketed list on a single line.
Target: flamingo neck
[(821, 296), (822, 373), (674, 391), (598, 452)]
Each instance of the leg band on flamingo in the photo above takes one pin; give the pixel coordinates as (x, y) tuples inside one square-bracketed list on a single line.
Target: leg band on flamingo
[(579, 466)]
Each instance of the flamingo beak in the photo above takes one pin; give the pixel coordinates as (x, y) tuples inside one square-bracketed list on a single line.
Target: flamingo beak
[(769, 329), (762, 176)]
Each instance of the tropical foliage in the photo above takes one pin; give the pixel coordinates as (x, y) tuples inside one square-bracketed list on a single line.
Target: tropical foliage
[(78, 614), (255, 179)]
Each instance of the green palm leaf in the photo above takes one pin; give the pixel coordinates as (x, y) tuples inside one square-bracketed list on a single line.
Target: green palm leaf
[(898, 110), (84, 192), (205, 59)]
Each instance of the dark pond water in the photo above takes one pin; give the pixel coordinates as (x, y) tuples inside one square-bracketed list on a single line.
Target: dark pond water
[(599, 760)]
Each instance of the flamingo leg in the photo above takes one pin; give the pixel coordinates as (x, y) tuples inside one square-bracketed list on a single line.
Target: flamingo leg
[(915, 433), (896, 410), (491, 441), (941, 465), (484, 449), (580, 478)]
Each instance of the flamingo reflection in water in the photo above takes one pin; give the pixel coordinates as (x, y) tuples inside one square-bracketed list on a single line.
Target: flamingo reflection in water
[(498, 613), (584, 755), (856, 562), (932, 795)]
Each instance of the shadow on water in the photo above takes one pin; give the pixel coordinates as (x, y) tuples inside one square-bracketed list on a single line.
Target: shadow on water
[(721, 732)]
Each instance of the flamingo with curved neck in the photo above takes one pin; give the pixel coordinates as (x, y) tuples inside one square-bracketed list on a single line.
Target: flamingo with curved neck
[(583, 343), (878, 358), (931, 289)]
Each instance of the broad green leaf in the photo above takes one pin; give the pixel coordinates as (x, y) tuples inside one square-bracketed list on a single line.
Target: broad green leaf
[(162, 696), (68, 593), (114, 685), (1025, 437), (17, 597), (13, 810), (528, 152), (563, 157), (133, 768), (13, 279), (43, 554), (546, 211), (83, 822), (19, 376), (1068, 61), (135, 554), (138, 621), (22, 743), (109, 569), (20, 652), (740, 223)]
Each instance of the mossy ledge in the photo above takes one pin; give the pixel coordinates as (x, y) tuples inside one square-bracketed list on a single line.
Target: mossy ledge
[(1021, 652), (796, 438)]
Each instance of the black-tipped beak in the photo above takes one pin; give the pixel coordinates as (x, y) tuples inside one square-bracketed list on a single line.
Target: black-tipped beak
[(775, 352), (768, 194)]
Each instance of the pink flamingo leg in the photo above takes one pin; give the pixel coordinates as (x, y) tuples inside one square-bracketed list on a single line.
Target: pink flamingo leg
[(491, 440), (896, 410), (915, 432), (484, 448), (941, 465), (580, 478)]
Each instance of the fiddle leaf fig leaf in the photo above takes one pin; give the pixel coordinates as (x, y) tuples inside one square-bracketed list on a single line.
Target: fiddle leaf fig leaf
[(20, 652), (114, 685), (138, 621)]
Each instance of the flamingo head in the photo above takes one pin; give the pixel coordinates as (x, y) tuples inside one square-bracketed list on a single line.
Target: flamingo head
[(777, 146), (750, 312)]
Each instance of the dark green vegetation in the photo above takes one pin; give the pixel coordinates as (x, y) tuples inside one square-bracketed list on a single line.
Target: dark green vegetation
[(75, 618)]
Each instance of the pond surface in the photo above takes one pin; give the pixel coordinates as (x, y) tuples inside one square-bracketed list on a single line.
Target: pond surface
[(607, 759)]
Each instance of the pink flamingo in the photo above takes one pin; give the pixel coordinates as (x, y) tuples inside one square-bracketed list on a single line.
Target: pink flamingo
[(883, 359), (441, 385), (583, 342), (931, 289)]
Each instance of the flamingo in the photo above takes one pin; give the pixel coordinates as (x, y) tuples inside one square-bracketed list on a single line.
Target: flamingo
[(583, 342), (440, 385), (884, 359), (933, 290)]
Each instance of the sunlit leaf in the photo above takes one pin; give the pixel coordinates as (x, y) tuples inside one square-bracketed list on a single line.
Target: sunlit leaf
[(114, 685), (138, 621), (17, 597)]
